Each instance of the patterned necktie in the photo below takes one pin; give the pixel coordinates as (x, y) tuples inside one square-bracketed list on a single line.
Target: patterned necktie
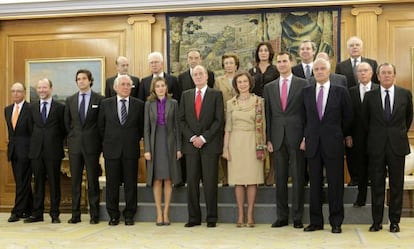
[(307, 72), (124, 113), (319, 103), (82, 114), (15, 116), (283, 94), (387, 106), (44, 112), (197, 104)]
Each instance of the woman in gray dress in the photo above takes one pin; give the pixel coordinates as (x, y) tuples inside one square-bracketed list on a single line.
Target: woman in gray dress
[(162, 145)]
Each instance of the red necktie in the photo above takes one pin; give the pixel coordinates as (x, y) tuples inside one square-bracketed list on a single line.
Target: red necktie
[(197, 104), (283, 95)]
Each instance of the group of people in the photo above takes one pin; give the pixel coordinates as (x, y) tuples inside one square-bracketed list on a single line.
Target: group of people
[(303, 115)]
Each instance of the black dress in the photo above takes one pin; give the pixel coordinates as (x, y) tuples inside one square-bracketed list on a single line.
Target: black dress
[(261, 79)]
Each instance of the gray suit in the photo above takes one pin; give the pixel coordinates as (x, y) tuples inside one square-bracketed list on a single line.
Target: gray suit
[(173, 137), (285, 131)]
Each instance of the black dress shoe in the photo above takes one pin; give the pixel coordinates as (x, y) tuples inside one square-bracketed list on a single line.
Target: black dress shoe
[(129, 222), (211, 224), (113, 222), (297, 224), (358, 205), (74, 220), (13, 218), (94, 221), (191, 224), (312, 228), (375, 227), (24, 215), (55, 220), (32, 219), (336, 229), (394, 228), (280, 223)]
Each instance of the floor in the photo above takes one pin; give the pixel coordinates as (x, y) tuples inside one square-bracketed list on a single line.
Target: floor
[(45, 235)]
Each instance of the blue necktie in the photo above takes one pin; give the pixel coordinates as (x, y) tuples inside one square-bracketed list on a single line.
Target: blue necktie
[(124, 113), (44, 112), (82, 115)]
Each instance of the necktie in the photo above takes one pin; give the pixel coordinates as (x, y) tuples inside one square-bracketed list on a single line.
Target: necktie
[(197, 104), (387, 106), (44, 112), (363, 91), (124, 113), (283, 95), (319, 103), (15, 116), (354, 69), (82, 114), (307, 72)]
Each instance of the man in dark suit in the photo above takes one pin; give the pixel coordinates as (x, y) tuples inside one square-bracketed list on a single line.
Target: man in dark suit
[(156, 62), (307, 50), (122, 65), (348, 66), (121, 124), (387, 114), (46, 151), (328, 110), (357, 154), (284, 132), (185, 80), (19, 126), (84, 144), (202, 119), (337, 79)]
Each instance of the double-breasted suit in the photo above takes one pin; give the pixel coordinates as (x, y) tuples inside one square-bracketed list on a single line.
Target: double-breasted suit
[(202, 162), (121, 152), (46, 154), (324, 141), (284, 129), (109, 86), (85, 146), (145, 87), (17, 153), (387, 146), (173, 138), (345, 68)]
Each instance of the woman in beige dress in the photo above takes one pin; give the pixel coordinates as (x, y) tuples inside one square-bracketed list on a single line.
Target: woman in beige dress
[(245, 170), (230, 63)]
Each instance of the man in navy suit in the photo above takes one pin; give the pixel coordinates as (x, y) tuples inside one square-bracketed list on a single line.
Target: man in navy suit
[(348, 66), (121, 125), (387, 114), (156, 62), (122, 65), (307, 50), (202, 119), (19, 126), (46, 151), (84, 144), (328, 111)]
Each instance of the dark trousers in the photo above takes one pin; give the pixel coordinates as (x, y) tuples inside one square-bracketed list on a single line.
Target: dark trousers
[(352, 163), (285, 159), (46, 169), (77, 164), (202, 166), (360, 160), (117, 171), (379, 164), (335, 175), (22, 172)]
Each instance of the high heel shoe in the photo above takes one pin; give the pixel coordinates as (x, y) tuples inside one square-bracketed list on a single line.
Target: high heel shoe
[(251, 224), (240, 225)]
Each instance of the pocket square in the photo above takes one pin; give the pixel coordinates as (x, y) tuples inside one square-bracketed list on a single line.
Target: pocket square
[(94, 106)]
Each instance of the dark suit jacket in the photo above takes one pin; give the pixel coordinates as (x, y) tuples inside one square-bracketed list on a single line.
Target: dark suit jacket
[(345, 68), (121, 140), (19, 138), (358, 131), (83, 137), (109, 86), (327, 135), (298, 71), (381, 131), (185, 81), (173, 137), (47, 139), (209, 125), (145, 87), (336, 79), (290, 122)]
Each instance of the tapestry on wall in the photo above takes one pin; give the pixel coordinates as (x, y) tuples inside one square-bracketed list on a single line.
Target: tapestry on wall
[(217, 33)]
